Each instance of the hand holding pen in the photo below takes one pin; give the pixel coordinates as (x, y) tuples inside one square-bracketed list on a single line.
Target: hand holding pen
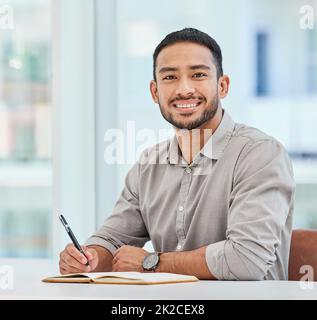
[(75, 258)]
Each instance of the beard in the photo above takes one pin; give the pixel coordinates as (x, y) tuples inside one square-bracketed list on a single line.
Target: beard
[(208, 113)]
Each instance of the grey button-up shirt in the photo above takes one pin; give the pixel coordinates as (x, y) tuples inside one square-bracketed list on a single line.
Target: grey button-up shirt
[(236, 198)]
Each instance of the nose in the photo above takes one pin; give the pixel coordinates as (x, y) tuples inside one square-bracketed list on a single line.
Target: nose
[(184, 88)]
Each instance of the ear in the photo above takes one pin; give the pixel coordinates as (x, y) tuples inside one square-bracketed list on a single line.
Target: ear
[(223, 86), (153, 89)]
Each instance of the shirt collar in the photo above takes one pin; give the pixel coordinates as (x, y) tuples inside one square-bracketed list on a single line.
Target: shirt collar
[(213, 148), (174, 155)]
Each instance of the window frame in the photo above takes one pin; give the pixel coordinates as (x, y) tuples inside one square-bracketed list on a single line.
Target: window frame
[(73, 101)]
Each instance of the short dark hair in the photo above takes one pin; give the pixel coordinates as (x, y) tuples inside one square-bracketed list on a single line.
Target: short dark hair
[(191, 35)]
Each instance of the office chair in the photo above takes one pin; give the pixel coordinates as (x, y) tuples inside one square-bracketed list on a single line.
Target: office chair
[(303, 252)]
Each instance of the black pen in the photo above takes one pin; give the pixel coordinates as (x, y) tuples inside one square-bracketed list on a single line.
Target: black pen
[(72, 236)]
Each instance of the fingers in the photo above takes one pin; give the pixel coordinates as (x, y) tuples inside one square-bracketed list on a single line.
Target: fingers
[(73, 252), (62, 270), (69, 265), (117, 266), (72, 261), (90, 253), (65, 269)]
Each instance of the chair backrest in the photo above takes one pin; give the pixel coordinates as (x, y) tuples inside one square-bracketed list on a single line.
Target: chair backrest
[(303, 252)]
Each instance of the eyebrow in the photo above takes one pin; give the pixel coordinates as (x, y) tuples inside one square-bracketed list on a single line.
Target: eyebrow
[(199, 66), (194, 67)]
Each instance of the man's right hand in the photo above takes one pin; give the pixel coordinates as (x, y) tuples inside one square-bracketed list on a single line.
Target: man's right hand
[(72, 261)]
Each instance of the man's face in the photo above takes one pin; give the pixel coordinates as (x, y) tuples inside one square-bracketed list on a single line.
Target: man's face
[(186, 86)]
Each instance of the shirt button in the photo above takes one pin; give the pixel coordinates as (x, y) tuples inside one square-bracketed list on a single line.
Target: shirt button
[(188, 170), (180, 208)]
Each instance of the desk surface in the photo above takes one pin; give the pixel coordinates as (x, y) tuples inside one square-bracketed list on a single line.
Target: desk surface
[(28, 274)]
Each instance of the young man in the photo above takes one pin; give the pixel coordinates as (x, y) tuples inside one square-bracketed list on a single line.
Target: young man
[(218, 203)]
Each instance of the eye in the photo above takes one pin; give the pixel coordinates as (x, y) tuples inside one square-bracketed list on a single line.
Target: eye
[(199, 75), (169, 77)]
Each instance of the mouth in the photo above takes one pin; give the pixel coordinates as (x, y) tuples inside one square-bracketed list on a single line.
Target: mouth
[(187, 106)]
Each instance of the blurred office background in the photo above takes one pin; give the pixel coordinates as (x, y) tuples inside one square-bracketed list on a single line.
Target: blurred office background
[(72, 69)]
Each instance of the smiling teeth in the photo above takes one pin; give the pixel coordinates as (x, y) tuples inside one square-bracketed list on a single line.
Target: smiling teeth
[(186, 105)]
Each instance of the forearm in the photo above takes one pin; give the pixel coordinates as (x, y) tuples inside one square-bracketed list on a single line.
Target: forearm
[(186, 262), (104, 259)]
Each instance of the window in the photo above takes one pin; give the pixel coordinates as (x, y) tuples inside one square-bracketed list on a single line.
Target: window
[(312, 61), (262, 32), (25, 131), (262, 65)]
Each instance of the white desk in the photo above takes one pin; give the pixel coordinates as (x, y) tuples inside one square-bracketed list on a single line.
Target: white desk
[(28, 274)]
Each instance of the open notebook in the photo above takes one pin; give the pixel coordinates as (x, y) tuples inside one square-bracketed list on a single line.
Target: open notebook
[(122, 278)]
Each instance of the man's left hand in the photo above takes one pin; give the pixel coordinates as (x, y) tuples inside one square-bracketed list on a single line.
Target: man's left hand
[(128, 258)]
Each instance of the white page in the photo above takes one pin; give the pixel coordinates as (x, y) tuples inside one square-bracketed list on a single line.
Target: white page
[(148, 276)]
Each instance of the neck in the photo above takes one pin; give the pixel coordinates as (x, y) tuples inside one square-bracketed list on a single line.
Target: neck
[(192, 141)]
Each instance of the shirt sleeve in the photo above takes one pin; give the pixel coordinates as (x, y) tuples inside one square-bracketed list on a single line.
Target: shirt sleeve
[(260, 202), (125, 225)]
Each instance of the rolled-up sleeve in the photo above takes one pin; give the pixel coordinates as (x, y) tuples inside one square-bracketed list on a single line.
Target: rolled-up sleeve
[(260, 202), (125, 225)]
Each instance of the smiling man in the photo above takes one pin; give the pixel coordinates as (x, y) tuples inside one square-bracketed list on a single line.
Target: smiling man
[(217, 202)]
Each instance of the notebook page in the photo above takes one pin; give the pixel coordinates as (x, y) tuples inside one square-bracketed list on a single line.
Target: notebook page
[(147, 276)]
